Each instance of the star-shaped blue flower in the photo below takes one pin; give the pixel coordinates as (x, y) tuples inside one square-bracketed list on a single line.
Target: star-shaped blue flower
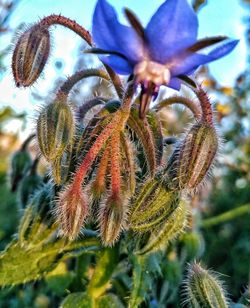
[(161, 53)]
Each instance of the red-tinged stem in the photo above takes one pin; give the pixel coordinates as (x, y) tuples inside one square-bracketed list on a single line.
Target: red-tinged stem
[(63, 92), (68, 23), (127, 98), (115, 164), (207, 111), (95, 149), (194, 107), (100, 180), (116, 81), (86, 106)]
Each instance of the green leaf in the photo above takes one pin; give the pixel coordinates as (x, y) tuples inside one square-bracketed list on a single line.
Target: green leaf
[(144, 270), (105, 266), (77, 300), (21, 264), (59, 279), (109, 301)]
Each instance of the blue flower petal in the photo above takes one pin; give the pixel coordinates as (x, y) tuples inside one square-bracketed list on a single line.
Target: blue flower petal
[(109, 34), (223, 50), (172, 28), (174, 83), (118, 64), (189, 64)]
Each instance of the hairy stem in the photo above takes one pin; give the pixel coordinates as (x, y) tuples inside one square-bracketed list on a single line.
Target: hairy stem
[(83, 33), (183, 101), (116, 80), (115, 164), (95, 149), (68, 23), (63, 92), (86, 106), (207, 111), (100, 180)]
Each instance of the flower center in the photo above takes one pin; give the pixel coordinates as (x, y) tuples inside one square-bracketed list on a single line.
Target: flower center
[(149, 71)]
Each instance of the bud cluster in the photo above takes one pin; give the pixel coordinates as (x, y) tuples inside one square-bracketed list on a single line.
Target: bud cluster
[(112, 171)]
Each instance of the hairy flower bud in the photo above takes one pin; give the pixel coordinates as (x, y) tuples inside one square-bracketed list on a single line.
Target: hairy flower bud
[(20, 163), (203, 288), (112, 217), (55, 129), (36, 223), (71, 212), (192, 159), (27, 188), (30, 55), (153, 205), (168, 230)]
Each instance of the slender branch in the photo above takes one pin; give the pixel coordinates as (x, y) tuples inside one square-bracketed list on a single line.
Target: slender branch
[(127, 98), (26, 142), (115, 164), (95, 149), (86, 106), (68, 23), (83, 33), (63, 92), (116, 80), (183, 101), (229, 215), (100, 180), (207, 111)]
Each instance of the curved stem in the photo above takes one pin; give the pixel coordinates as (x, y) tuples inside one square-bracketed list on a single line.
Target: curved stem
[(207, 111), (100, 180), (115, 164), (116, 80), (229, 215), (127, 98), (63, 92), (183, 101), (26, 142), (68, 23), (85, 107), (83, 33), (95, 149)]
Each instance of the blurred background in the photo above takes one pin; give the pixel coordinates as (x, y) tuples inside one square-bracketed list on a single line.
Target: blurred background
[(226, 244)]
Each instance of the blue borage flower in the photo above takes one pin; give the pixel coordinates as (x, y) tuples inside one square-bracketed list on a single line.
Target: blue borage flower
[(163, 53)]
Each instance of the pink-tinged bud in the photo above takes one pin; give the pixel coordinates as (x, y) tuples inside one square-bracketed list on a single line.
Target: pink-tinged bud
[(30, 55), (193, 158), (55, 129), (71, 212), (112, 217)]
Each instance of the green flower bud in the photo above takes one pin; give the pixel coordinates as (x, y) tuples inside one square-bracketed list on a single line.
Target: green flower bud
[(153, 205), (55, 129), (20, 163), (203, 288), (30, 55), (167, 231), (27, 188), (193, 245), (192, 159), (61, 166), (37, 220)]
